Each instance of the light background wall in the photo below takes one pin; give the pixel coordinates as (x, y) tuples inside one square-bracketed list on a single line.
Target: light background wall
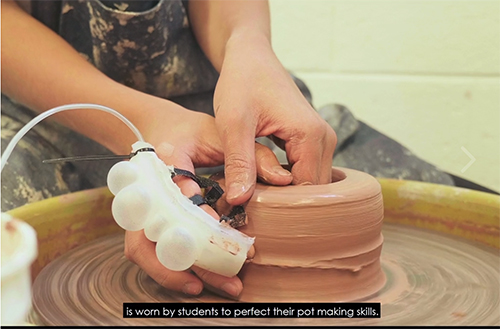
[(425, 73)]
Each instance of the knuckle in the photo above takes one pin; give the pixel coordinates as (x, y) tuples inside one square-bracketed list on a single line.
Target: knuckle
[(164, 279), (204, 275), (129, 252), (237, 162), (324, 133), (262, 152), (131, 248), (298, 136)]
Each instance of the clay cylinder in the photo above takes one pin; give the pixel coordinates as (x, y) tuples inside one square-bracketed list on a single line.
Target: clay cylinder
[(315, 242)]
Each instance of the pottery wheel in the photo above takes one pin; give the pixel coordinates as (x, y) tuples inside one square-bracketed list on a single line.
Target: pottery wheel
[(432, 279)]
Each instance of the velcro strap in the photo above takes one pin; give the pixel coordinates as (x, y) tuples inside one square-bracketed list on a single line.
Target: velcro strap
[(198, 200)]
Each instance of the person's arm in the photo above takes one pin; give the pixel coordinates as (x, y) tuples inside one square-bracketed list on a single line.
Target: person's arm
[(41, 71), (255, 96), (216, 22)]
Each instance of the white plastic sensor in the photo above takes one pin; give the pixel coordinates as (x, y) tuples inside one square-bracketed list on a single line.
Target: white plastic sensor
[(147, 198)]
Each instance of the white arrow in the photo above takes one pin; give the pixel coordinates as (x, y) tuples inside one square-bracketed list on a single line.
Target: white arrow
[(472, 159)]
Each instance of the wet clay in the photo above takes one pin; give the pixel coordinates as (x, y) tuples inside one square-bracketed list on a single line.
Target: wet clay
[(314, 242)]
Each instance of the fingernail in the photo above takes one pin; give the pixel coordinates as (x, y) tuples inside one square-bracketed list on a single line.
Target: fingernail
[(306, 183), (236, 190), (231, 289), (280, 171), (192, 288), (251, 253)]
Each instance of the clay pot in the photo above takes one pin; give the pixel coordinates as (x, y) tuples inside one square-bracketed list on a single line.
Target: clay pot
[(314, 242)]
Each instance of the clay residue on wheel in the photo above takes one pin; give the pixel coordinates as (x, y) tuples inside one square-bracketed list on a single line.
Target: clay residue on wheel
[(88, 286)]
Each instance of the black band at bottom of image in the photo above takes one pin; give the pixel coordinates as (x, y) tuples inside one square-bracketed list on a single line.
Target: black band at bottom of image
[(251, 310)]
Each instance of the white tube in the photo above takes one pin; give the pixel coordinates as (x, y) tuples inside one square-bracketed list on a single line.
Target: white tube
[(40, 117)]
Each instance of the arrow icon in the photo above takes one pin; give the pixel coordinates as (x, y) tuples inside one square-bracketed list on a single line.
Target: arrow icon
[(472, 160)]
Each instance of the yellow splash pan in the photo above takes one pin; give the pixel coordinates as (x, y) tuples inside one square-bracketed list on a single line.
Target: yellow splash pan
[(65, 222)]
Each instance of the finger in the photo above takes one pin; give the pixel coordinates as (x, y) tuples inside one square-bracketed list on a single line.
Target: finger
[(328, 150), (222, 207), (181, 160), (310, 154), (232, 286), (239, 154), (141, 251), (268, 167), (305, 159), (277, 141), (187, 185)]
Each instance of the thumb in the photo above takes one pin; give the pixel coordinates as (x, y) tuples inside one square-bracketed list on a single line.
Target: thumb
[(239, 153)]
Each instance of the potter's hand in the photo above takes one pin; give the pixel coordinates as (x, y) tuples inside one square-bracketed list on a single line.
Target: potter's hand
[(184, 140), (255, 96)]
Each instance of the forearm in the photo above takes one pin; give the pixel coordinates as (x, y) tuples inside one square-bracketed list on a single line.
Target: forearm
[(41, 71), (214, 23)]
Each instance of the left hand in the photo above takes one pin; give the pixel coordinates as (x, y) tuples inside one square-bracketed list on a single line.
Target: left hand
[(255, 96), (184, 139)]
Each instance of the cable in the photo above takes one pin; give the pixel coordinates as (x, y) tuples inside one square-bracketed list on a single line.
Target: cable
[(40, 117)]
